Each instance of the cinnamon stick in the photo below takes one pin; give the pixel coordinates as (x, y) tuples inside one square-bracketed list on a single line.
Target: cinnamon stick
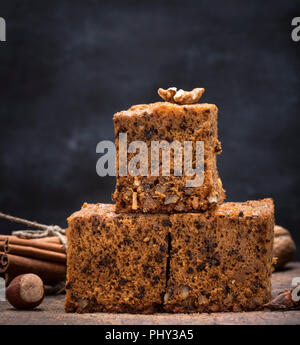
[(54, 247), (33, 252), (3, 263), (4, 245), (49, 272)]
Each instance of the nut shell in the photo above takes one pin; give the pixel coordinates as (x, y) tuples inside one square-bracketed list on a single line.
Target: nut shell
[(26, 291), (284, 247)]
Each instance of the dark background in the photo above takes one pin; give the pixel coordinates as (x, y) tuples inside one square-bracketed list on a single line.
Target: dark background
[(67, 66)]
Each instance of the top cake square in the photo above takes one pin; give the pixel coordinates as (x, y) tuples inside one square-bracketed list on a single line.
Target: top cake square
[(188, 134)]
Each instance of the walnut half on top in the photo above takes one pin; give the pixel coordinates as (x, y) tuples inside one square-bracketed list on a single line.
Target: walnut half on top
[(181, 97)]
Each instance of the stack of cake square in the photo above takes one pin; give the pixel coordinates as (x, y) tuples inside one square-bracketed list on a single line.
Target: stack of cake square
[(164, 246)]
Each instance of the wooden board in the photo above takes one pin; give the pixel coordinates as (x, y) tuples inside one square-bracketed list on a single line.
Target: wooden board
[(51, 312)]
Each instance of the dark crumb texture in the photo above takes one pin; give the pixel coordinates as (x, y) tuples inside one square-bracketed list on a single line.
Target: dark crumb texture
[(116, 262), (163, 121), (222, 261), (218, 260)]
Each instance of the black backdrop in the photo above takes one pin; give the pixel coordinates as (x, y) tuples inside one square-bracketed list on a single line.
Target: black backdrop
[(67, 66)]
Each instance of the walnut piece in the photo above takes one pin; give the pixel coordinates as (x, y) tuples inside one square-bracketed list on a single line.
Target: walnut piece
[(213, 198), (181, 96), (168, 94), (166, 297), (184, 291), (171, 199), (195, 202), (134, 201)]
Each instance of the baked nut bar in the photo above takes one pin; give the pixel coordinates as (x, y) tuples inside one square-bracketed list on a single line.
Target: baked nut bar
[(169, 122), (116, 262), (221, 261)]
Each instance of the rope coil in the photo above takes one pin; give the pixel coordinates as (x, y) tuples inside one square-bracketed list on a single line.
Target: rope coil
[(45, 230)]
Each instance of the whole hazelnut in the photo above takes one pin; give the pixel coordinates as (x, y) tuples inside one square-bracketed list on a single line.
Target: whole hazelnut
[(284, 247), (26, 291)]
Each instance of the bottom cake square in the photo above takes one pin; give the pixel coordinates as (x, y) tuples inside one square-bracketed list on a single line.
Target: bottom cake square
[(116, 262), (221, 261)]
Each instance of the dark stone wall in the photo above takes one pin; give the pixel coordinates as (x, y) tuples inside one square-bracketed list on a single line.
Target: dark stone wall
[(67, 66)]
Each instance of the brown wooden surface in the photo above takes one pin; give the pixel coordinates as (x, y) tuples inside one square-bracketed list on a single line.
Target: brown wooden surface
[(52, 312)]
